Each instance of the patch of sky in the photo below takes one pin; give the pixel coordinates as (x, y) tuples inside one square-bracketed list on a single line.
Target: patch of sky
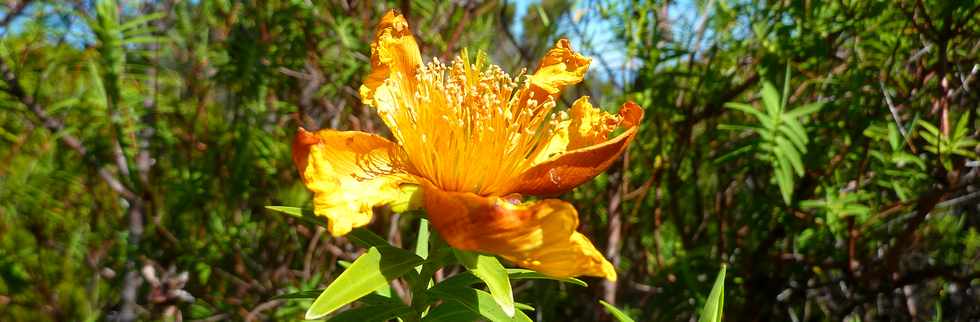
[(598, 36), (61, 26)]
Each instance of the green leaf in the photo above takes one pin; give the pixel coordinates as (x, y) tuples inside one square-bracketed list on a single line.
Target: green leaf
[(734, 153), (489, 269), (745, 108), (136, 22), (299, 213), (616, 313), (716, 299), (521, 274), (930, 128), (791, 154), (450, 312), (422, 241), (785, 98), (475, 301), (366, 238), (735, 127), (798, 141), (292, 211), (804, 110), (466, 279), (770, 98), (784, 178), (372, 270), (382, 312), (960, 129), (144, 40), (797, 129)]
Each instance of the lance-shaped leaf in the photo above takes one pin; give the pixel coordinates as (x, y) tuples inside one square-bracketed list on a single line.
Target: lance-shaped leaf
[(377, 312), (372, 270), (615, 312), (476, 301), (489, 269), (716, 300)]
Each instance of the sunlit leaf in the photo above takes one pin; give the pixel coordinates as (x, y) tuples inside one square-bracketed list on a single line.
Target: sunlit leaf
[(374, 269), (804, 110), (770, 98), (615, 312), (489, 269), (476, 301), (713, 307)]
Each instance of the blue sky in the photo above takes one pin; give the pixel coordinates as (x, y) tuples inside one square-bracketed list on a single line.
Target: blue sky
[(600, 33)]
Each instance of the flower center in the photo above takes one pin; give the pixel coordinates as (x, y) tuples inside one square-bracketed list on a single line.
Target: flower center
[(467, 127)]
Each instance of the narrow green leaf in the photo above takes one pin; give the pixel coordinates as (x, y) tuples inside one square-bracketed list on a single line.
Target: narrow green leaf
[(616, 313), (136, 22), (489, 269), (746, 108), (422, 241), (798, 141), (785, 98), (476, 301), (804, 110), (365, 238), (292, 211), (797, 128), (734, 153), (770, 98), (450, 312), (382, 312), (791, 154), (765, 120), (930, 128), (466, 279), (736, 127), (521, 274), (929, 137), (543, 15), (960, 130), (712, 310), (372, 270), (143, 40), (784, 178)]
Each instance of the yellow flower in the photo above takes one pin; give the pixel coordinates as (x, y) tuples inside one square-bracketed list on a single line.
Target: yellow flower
[(471, 139)]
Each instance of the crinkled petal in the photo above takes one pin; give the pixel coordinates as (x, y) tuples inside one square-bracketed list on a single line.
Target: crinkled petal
[(579, 149), (349, 173), (538, 235), (394, 54), (560, 67)]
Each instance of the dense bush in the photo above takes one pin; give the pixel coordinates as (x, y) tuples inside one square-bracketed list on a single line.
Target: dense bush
[(824, 150)]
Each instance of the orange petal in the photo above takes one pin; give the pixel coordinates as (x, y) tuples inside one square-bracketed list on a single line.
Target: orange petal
[(560, 67), (349, 173), (394, 54), (537, 235), (579, 150)]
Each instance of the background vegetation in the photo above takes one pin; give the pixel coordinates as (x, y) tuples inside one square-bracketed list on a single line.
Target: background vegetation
[(824, 150)]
